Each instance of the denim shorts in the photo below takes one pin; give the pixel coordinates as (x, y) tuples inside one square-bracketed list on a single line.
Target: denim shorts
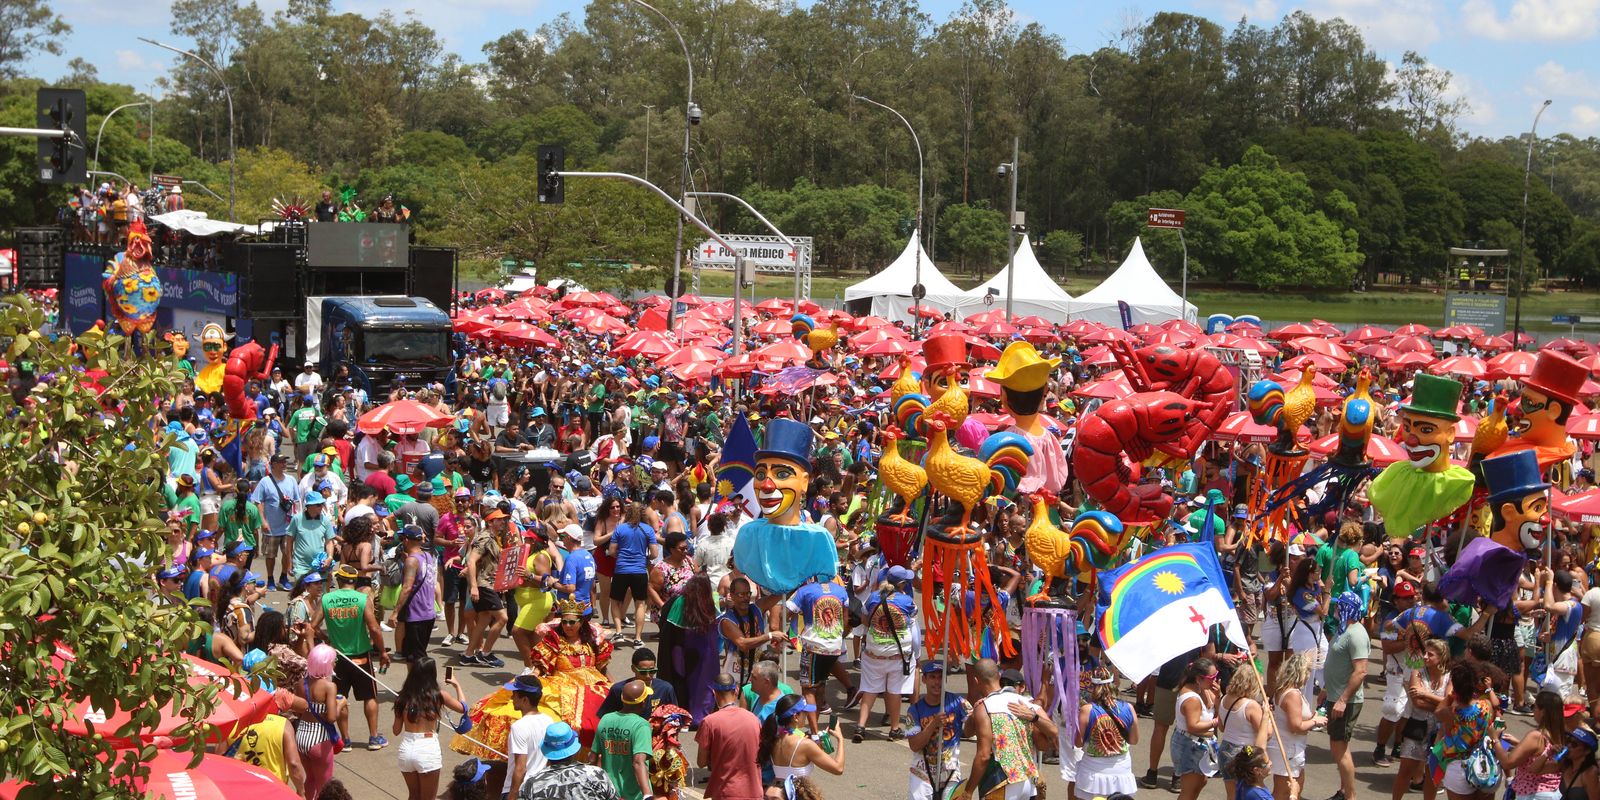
[(1191, 755)]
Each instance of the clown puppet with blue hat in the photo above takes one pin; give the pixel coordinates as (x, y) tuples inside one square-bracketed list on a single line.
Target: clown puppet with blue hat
[(1488, 567), (782, 551)]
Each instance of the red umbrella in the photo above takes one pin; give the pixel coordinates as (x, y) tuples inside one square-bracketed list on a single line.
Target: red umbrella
[(1100, 356), (1523, 338), (1368, 333), (216, 778), (1113, 388), (490, 293), (650, 344), (402, 417), (997, 328), (1413, 329), (1465, 333), (1295, 330), (1512, 364), (878, 335), (1261, 346), (1143, 329), (1311, 344), (1381, 449), (1582, 508), (917, 365), (888, 347), (1041, 335), (809, 307), (1577, 348), (469, 321), (654, 301), (869, 322), (692, 371), (505, 330), (1079, 327), (776, 305), (773, 327), (1589, 389), (601, 324), (702, 325), (927, 312), (986, 317), (588, 299), (1033, 321), (1322, 362), (1586, 427), (692, 300), (998, 421), (1410, 360), (1241, 427), (238, 707), (1466, 428), (1107, 335), (979, 348), (949, 326), (1173, 338), (1381, 352), (1492, 343), (739, 367), (1468, 367), (1411, 344), (1244, 328), (979, 386), (787, 351), (1593, 363), (1290, 377), (692, 355), (1182, 326)]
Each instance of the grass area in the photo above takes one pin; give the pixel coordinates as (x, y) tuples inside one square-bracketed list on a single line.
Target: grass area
[(1385, 307)]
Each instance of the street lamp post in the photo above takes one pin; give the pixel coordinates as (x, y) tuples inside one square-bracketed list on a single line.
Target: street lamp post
[(647, 109), (691, 117), (232, 161), (1011, 225), (107, 118), (917, 279), (1522, 250)]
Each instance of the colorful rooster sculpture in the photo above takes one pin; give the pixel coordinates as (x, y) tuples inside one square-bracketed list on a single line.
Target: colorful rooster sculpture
[(907, 383), (1355, 424), (1096, 541), (820, 340), (969, 481), (906, 479), (1269, 404), (131, 285), (1347, 468)]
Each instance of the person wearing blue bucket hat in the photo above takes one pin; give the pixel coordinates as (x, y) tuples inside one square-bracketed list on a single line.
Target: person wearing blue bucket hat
[(781, 551), (567, 777), (1489, 568), (311, 533)]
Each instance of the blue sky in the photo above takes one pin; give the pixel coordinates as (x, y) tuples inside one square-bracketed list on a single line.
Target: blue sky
[(1507, 56)]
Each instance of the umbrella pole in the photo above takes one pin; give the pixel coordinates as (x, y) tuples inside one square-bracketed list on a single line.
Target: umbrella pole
[(436, 723)]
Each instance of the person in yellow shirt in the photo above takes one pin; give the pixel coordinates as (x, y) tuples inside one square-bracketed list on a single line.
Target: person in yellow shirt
[(269, 744)]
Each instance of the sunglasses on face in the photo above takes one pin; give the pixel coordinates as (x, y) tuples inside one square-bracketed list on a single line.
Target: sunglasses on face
[(569, 622), (646, 671)]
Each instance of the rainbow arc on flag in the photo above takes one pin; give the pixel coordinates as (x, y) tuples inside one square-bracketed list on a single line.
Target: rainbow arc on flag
[(1162, 606)]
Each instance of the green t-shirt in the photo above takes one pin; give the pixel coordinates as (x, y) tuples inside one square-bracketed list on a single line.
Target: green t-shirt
[(186, 366), (619, 738), (597, 399), (1335, 563), (192, 505), (345, 611), (305, 421), (1218, 526), (1346, 647), (234, 529), (394, 501)]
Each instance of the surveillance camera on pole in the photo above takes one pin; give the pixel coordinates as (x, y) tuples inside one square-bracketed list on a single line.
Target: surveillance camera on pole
[(694, 114)]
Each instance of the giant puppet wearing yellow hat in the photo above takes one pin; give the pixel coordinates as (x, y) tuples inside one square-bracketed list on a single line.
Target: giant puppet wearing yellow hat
[(1024, 376)]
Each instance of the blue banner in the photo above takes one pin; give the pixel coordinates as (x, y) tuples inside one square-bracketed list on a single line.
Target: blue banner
[(1127, 314), (85, 295), (199, 290)]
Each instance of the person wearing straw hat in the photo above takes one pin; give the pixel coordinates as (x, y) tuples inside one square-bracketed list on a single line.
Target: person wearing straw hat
[(1023, 376)]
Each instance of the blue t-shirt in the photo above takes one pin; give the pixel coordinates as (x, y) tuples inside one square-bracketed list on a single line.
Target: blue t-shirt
[(633, 542), (279, 506), (823, 606), (1245, 792), (955, 712), (1439, 623), (579, 572)]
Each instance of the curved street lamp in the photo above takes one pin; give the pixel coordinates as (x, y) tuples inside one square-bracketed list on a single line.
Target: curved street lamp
[(915, 318), (691, 117), (107, 118), (232, 161)]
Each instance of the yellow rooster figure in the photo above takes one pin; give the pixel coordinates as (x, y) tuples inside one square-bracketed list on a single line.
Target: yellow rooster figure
[(1097, 539), (820, 340), (912, 409), (1269, 404), (906, 384), (1001, 462), (1355, 423), (1492, 430), (904, 478)]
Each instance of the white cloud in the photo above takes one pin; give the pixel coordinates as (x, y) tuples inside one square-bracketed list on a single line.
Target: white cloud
[(129, 60), (1584, 119), (1554, 80), (1480, 111), (1408, 24), (1533, 20)]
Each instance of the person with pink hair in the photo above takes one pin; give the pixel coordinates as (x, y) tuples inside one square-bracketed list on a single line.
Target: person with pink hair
[(317, 736)]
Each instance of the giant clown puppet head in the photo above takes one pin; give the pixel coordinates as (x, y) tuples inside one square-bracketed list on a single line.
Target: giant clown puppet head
[(783, 471), (1519, 500), (214, 343), (1427, 423)]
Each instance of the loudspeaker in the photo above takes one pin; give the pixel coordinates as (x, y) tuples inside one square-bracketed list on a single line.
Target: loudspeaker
[(433, 275), (269, 280)]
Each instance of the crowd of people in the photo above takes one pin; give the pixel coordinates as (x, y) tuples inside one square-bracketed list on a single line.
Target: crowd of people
[(567, 519)]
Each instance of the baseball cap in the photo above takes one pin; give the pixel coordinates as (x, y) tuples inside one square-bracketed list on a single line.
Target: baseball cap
[(1583, 736), (1297, 550), (573, 532), (241, 546), (929, 667), (172, 573), (312, 577), (619, 467), (1241, 511), (381, 511), (651, 441), (1010, 677), (413, 532), (319, 461), (1405, 589), (205, 535), (899, 574), (658, 465), (1572, 709)]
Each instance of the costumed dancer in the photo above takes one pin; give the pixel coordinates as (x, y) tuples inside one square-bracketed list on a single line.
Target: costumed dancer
[(132, 288), (1023, 376), (779, 552), (214, 347), (1549, 394), (1427, 486), (1488, 568)]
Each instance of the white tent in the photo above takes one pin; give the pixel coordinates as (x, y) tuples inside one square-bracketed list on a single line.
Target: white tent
[(1136, 283), (1035, 292), (890, 288)]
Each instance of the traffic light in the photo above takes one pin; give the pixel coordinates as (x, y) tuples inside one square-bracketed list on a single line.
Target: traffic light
[(552, 161), (62, 159)]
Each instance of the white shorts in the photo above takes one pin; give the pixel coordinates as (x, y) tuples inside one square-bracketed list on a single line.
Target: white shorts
[(419, 752), (920, 789), (210, 504), (1455, 780), (1297, 762), (498, 414), (884, 675)]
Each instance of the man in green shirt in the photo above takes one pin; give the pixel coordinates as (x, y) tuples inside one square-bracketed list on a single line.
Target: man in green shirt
[(187, 504), (353, 631), (239, 519), (622, 743), (403, 487), (306, 424)]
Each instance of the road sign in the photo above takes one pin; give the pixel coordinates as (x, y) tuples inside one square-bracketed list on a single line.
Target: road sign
[(1565, 319), (761, 251), (168, 181), (1166, 218), (1487, 311)]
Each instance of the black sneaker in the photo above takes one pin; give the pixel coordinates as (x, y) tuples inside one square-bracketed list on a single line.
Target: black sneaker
[(469, 661), (1172, 785), (857, 737), (1339, 795), (854, 702), (1395, 753), (1149, 780), (486, 660), (895, 734)]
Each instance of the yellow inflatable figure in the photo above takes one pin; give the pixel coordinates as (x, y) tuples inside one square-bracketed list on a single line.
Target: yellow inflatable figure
[(214, 346)]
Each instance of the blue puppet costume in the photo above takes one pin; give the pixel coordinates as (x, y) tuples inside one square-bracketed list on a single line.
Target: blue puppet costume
[(780, 551), (1488, 567)]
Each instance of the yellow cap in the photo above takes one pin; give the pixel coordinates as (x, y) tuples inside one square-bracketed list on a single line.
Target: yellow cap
[(1021, 369)]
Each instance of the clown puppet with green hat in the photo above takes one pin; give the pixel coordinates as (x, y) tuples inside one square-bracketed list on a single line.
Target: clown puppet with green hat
[(1426, 486)]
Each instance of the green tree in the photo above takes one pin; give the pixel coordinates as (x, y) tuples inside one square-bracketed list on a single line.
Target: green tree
[(28, 27), (1264, 222), (1581, 260), (264, 175), (82, 507), (975, 234), (1062, 249)]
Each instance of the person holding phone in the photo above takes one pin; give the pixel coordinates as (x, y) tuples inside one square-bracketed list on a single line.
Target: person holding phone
[(789, 749), (416, 718)]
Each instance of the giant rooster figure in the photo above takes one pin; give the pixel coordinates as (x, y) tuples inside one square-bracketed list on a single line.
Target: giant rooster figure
[(820, 340), (956, 553), (1096, 541), (131, 284)]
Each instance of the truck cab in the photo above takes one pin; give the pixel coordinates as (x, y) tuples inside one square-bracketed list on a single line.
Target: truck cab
[(381, 338)]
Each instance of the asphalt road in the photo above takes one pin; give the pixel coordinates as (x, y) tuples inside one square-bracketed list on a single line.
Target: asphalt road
[(875, 769)]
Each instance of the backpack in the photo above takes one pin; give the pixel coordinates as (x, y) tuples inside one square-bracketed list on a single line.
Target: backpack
[(1481, 767), (394, 567), (498, 388)]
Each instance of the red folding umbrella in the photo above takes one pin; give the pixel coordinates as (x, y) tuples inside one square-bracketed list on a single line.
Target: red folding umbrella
[(1582, 508), (537, 337), (587, 299), (1466, 429), (515, 328), (1493, 344), (869, 322), (1469, 367), (468, 322), (1182, 326), (692, 300), (998, 421), (692, 355), (600, 324), (1410, 360), (1577, 348), (1381, 352), (1411, 344), (1511, 364), (1041, 335), (1289, 377), (1295, 330), (402, 417), (789, 351), (1079, 327), (979, 386), (739, 367), (1586, 427), (1244, 328), (917, 364), (997, 328), (1241, 427), (1105, 335), (876, 335), (651, 344), (1381, 449), (1170, 338), (238, 707), (654, 301), (1589, 389), (949, 326), (1032, 321), (1143, 329), (773, 327), (1099, 356), (927, 312), (1312, 344), (979, 348), (986, 317), (1465, 333), (215, 778), (888, 347), (775, 305), (1368, 333), (1413, 329), (1322, 362), (692, 371), (1112, 388)]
